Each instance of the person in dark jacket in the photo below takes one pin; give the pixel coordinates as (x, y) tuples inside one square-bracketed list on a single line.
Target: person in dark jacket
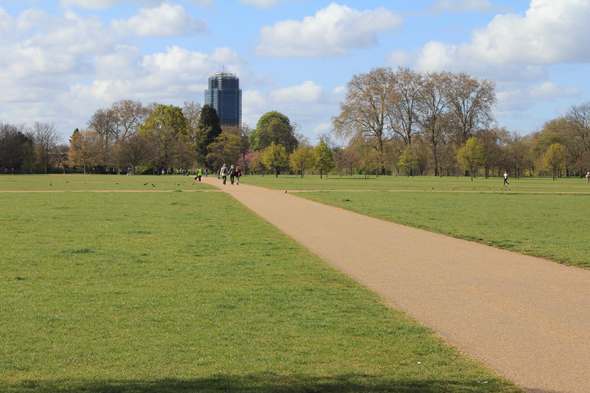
[(232, 175)]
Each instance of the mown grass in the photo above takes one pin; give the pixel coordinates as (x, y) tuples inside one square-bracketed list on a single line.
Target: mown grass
[(100, 183), (421, 184), (535, 216), (179, 292)]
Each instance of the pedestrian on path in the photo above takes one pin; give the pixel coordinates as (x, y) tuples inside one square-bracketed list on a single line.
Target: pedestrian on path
[(506, 179), (199, 173), (206, 172), (238, 175), (223, 173), (232, 175)]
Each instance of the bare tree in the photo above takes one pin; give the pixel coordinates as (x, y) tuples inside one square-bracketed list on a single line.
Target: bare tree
[(403, 102), (579, 119), (129, 115), (46, 139), (471, 104), (134, 151), (192, 112), (363, 114), (433, 116)]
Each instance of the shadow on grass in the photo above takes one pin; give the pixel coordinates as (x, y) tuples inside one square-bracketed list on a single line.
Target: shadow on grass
[(258, 383)]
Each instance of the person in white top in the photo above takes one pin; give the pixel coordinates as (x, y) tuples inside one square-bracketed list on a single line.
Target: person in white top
[(506, 179)]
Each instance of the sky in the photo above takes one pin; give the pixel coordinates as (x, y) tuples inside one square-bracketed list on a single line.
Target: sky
[(62, 60)]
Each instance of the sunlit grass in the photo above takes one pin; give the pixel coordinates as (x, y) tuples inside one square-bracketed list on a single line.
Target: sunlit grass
[(130, 292)]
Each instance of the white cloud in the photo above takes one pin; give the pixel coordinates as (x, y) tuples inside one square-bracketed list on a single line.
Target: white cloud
[(550, 32), (168, 20), (552, 91), (463, 6), (262, 3), (514, 101), (63, 68), (333, 31), (306, 92), (308, 104), (104, 4)]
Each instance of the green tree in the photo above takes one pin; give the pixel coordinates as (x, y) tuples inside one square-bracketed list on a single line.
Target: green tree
[(300, 159), (208, 129), (472, 155), (322, 158), (554, 159), (274, 157), (274, 127), (408, 160), (165, 124), (225, 150)]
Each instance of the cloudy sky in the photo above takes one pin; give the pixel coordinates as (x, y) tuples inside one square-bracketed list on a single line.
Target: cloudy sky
[(62, 60)]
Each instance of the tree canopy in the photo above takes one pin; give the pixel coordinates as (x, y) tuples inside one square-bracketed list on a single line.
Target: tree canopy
[(274, 127)]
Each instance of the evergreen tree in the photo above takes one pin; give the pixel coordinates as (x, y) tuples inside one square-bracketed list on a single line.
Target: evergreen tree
[(208, 129)]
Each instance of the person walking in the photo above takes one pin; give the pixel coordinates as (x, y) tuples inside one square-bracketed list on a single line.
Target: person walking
[(199, 173), (223, 173), (588, 177), (238, 175), (128, 171), (206, 172), (232, 175), (506, 179)]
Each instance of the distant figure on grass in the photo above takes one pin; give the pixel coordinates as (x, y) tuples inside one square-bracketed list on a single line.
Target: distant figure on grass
[(506, 179), (588, 177), (232, 175), (163, 173), (128, 171), (198, 174), (206, 172), (223, 173), (238, 175)]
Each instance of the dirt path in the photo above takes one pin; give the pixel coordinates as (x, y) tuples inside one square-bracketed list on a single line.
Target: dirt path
[(527, 318)]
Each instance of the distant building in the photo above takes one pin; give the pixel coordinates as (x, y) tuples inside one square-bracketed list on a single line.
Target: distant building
[(225, 96)]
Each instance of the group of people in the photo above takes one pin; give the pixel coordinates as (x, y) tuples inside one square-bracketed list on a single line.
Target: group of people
[(233, 173)]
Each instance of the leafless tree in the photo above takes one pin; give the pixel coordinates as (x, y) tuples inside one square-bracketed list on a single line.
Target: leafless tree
[(46, 139), (578, 117), (471, 104), (363, 114), (433, 113), (403, 102)]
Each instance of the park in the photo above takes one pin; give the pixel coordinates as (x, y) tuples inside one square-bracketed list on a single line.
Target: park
[(143, 283)]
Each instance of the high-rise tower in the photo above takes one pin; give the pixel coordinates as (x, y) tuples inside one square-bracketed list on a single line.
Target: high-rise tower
[(225, 96)]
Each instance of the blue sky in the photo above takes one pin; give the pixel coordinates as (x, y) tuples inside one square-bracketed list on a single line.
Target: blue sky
[(62, 60)]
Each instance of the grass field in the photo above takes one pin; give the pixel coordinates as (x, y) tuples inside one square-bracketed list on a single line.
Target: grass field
[(190, 291), (82, 183), (535, 216)]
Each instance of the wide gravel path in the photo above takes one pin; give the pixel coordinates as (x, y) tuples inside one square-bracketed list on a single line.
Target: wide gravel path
[(526, 318)]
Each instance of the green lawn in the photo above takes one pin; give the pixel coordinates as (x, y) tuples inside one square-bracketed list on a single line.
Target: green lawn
[(100, 183), (535, 216), (183, 292), (422, 184)]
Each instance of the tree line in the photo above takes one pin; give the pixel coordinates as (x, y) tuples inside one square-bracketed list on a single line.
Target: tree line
[(150, 138), (391, 121), (441, 123)]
